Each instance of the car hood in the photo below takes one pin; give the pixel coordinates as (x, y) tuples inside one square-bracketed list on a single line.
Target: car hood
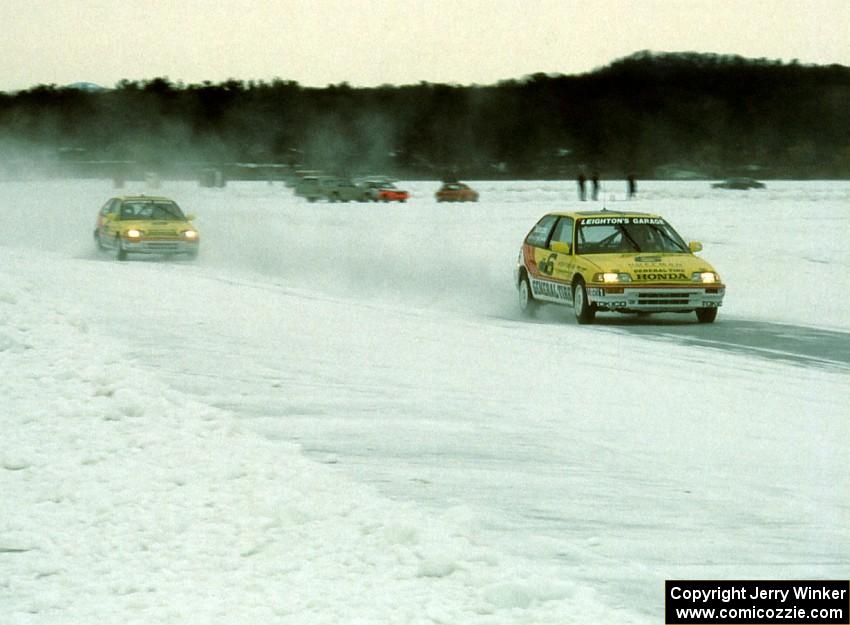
[(648, 267)]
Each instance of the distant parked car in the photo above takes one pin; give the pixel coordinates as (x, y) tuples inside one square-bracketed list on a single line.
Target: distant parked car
[(379, 190), (456, 192), (344, 190), (291, 179), (330, 188), (739, 183), (145, 225), (312, 186)]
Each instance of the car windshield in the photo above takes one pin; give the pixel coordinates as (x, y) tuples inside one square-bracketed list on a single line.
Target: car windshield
[(147, 209), (612, 235)]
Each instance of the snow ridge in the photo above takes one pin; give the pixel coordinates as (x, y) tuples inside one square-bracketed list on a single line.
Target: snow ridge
[(125, 501)]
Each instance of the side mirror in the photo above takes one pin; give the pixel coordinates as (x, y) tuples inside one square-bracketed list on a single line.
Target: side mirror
[(695, 246), (560, 247), (191, 217)]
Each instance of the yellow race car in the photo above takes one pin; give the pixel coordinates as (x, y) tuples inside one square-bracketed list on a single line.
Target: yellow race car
[(144, 224), (615, 261)]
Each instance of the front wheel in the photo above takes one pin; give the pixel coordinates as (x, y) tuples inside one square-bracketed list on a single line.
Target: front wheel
[(706, 315), (527, 304), (120, 252), (585, 311)]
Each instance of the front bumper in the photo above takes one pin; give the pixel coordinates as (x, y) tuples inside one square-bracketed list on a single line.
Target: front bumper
[(159, 246), (656, 299)]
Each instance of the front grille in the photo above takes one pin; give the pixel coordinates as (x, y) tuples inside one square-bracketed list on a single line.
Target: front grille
[(663, 298), (161, 245)]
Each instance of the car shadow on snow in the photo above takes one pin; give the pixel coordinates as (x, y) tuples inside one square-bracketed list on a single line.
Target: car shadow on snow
[(802, 345), (775, 341), (109, 256)]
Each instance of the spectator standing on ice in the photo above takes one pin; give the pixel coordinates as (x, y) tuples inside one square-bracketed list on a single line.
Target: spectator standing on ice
[(595, 186), (581, 184), (632, 185)]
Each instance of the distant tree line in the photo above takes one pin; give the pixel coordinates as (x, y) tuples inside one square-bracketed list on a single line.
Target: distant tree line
[(649, 114)]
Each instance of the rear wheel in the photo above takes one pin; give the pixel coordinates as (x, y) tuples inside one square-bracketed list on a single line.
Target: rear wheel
[(706, 315), (527, 304), (584, 310)]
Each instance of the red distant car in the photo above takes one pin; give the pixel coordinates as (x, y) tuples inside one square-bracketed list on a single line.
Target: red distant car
[(384, 191), (456, 192)]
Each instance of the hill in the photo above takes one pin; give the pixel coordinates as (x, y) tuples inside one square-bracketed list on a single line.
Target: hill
[(655, 115)]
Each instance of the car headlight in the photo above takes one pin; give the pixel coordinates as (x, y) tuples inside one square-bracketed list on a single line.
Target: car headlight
[(190, 234), (610, 276), (133, 233), (706, 277)]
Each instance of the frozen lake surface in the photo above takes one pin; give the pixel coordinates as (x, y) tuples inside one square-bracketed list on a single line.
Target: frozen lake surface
[(337, 413)]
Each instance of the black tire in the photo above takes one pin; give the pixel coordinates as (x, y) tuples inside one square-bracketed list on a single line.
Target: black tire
[(120, 252), (527, 304), (584, 310), (97, 240), (706, 315)]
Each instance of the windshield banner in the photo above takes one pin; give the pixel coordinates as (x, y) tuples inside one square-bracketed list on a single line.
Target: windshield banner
[(610, 221)]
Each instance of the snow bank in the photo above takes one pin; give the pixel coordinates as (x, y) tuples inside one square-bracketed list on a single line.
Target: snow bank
[(126, 501)]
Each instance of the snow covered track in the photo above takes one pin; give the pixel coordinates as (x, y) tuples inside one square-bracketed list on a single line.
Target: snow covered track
[(336, 415), (126, 500)]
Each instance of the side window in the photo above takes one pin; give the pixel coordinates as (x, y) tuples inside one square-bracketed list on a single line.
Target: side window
[(564, 231), (107, 207), (539, 235)]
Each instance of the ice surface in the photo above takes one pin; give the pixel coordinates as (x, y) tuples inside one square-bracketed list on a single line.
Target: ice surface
[(337, 416)]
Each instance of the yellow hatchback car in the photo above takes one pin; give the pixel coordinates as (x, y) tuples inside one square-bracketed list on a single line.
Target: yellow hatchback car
[(142, 224), (615, 261)]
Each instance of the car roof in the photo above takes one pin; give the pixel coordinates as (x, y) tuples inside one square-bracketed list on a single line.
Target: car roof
[(602, 213), (149, 198)]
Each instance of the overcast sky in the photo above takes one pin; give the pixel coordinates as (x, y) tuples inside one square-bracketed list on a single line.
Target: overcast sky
[(371, 42)]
